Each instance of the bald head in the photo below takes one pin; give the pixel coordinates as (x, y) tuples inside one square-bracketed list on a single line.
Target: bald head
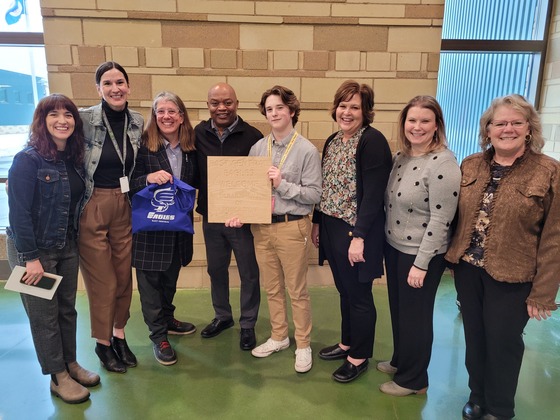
[(222, 105)]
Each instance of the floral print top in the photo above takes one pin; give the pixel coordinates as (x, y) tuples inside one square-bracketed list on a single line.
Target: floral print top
[(475, 253), (339, 178)]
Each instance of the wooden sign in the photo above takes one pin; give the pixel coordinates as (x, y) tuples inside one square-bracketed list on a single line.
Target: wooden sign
[(238, 186)]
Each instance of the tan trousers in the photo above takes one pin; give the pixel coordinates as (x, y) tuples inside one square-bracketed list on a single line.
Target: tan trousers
[(105, 244), (281, 250)]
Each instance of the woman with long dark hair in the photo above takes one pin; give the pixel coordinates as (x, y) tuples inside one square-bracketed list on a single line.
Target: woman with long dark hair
[(46, 185)]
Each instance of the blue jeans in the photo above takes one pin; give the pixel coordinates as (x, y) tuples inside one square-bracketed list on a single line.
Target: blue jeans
[(53, 322)]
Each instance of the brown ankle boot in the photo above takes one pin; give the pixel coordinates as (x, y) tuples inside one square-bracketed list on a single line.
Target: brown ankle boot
[(82, 376), (67, 389)]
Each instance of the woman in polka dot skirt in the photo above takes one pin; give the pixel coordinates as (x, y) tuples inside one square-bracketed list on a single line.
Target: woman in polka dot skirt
[(420, 202)]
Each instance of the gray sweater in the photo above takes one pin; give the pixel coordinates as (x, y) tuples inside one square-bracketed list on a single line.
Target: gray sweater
[(420, 202)]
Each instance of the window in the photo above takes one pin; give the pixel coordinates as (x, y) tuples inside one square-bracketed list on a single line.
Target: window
[(488, 51), (23, 80)]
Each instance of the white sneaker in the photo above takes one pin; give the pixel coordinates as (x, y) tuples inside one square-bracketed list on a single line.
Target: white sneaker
[(270, 346), (304, 360)]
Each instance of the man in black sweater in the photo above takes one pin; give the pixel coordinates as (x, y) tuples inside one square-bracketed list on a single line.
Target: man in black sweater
[(226, 134)]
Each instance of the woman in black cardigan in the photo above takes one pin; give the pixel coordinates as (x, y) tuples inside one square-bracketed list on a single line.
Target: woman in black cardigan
[(350, 222), (167, 150)]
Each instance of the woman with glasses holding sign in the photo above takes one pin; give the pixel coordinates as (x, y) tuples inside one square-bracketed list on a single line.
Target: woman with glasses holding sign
[(505, 250), (167, 151), (46, 185), (112, 135)]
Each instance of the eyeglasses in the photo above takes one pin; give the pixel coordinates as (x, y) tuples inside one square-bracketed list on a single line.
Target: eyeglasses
[(504, 124), (170, 112)]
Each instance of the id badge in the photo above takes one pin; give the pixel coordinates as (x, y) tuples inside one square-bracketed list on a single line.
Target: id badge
[(124, 184), (272, 204)]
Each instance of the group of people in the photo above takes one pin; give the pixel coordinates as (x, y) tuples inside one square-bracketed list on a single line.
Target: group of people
[(495, 221)]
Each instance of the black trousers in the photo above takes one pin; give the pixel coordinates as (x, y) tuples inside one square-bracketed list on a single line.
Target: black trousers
[(157, 290), (220, 242), (494, 316), (412, 312), (356, 299)]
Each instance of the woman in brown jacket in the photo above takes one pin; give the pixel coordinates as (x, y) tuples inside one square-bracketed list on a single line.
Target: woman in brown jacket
[(505, 250)]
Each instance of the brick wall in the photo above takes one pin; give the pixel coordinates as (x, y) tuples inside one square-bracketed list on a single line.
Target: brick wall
[(188, 45), (310, 46), (550, 92)]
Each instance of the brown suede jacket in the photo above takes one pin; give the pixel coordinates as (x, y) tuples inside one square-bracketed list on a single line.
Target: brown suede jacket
[(523, 238)]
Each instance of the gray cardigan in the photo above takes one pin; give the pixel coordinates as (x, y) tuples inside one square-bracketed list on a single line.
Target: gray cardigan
[(420, 203)]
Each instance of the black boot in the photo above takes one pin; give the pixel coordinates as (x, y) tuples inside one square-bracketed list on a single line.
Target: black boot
[(123, 351), (109, 359)]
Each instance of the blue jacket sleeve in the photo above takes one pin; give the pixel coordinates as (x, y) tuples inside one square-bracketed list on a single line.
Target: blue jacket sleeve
[(22, 180)]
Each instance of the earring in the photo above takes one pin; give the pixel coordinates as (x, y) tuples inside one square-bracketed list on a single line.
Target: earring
[(528, 138)]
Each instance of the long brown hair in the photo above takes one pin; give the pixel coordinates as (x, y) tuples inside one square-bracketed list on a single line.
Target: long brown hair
[(152, 138), (41, 139)]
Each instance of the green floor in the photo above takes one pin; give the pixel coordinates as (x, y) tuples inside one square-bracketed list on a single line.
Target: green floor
[(215, 380)]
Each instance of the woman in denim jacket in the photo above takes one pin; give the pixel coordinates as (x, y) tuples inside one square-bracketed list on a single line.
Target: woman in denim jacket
[(46, 186), (505, 250), (112, 139)]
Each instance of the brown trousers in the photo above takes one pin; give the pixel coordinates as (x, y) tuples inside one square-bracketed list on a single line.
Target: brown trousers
[(281, 250), (105, 244)]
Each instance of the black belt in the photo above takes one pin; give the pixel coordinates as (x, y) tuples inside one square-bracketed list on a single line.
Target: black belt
[(277, 218)]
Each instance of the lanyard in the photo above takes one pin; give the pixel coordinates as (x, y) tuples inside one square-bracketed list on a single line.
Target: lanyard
[(286, 152), (122, 156)]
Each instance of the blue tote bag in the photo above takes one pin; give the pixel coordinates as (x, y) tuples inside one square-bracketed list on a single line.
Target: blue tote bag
[(164, 207)]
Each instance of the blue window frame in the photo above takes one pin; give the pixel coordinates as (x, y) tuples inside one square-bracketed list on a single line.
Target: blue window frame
[(489, 49), (23, 80)]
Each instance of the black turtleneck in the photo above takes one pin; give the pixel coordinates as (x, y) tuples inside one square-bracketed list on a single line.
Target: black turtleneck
[(109, 170)]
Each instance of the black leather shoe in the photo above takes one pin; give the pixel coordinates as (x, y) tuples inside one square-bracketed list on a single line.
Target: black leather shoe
[(472, 411), (348, 372), (123, 351), (333, 353), (176, 327), (216, 327), (247, 339), (489, 416), (164, 353), (109, 359)]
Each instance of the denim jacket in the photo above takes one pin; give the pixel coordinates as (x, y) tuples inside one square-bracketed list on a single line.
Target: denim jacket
[(39, 202), (94, 134)]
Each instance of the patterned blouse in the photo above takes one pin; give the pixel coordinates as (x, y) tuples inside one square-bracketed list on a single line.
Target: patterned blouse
[(339, 178), (475, 253)]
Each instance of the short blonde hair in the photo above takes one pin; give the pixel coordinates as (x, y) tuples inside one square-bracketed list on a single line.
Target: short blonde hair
[(535, 140)]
